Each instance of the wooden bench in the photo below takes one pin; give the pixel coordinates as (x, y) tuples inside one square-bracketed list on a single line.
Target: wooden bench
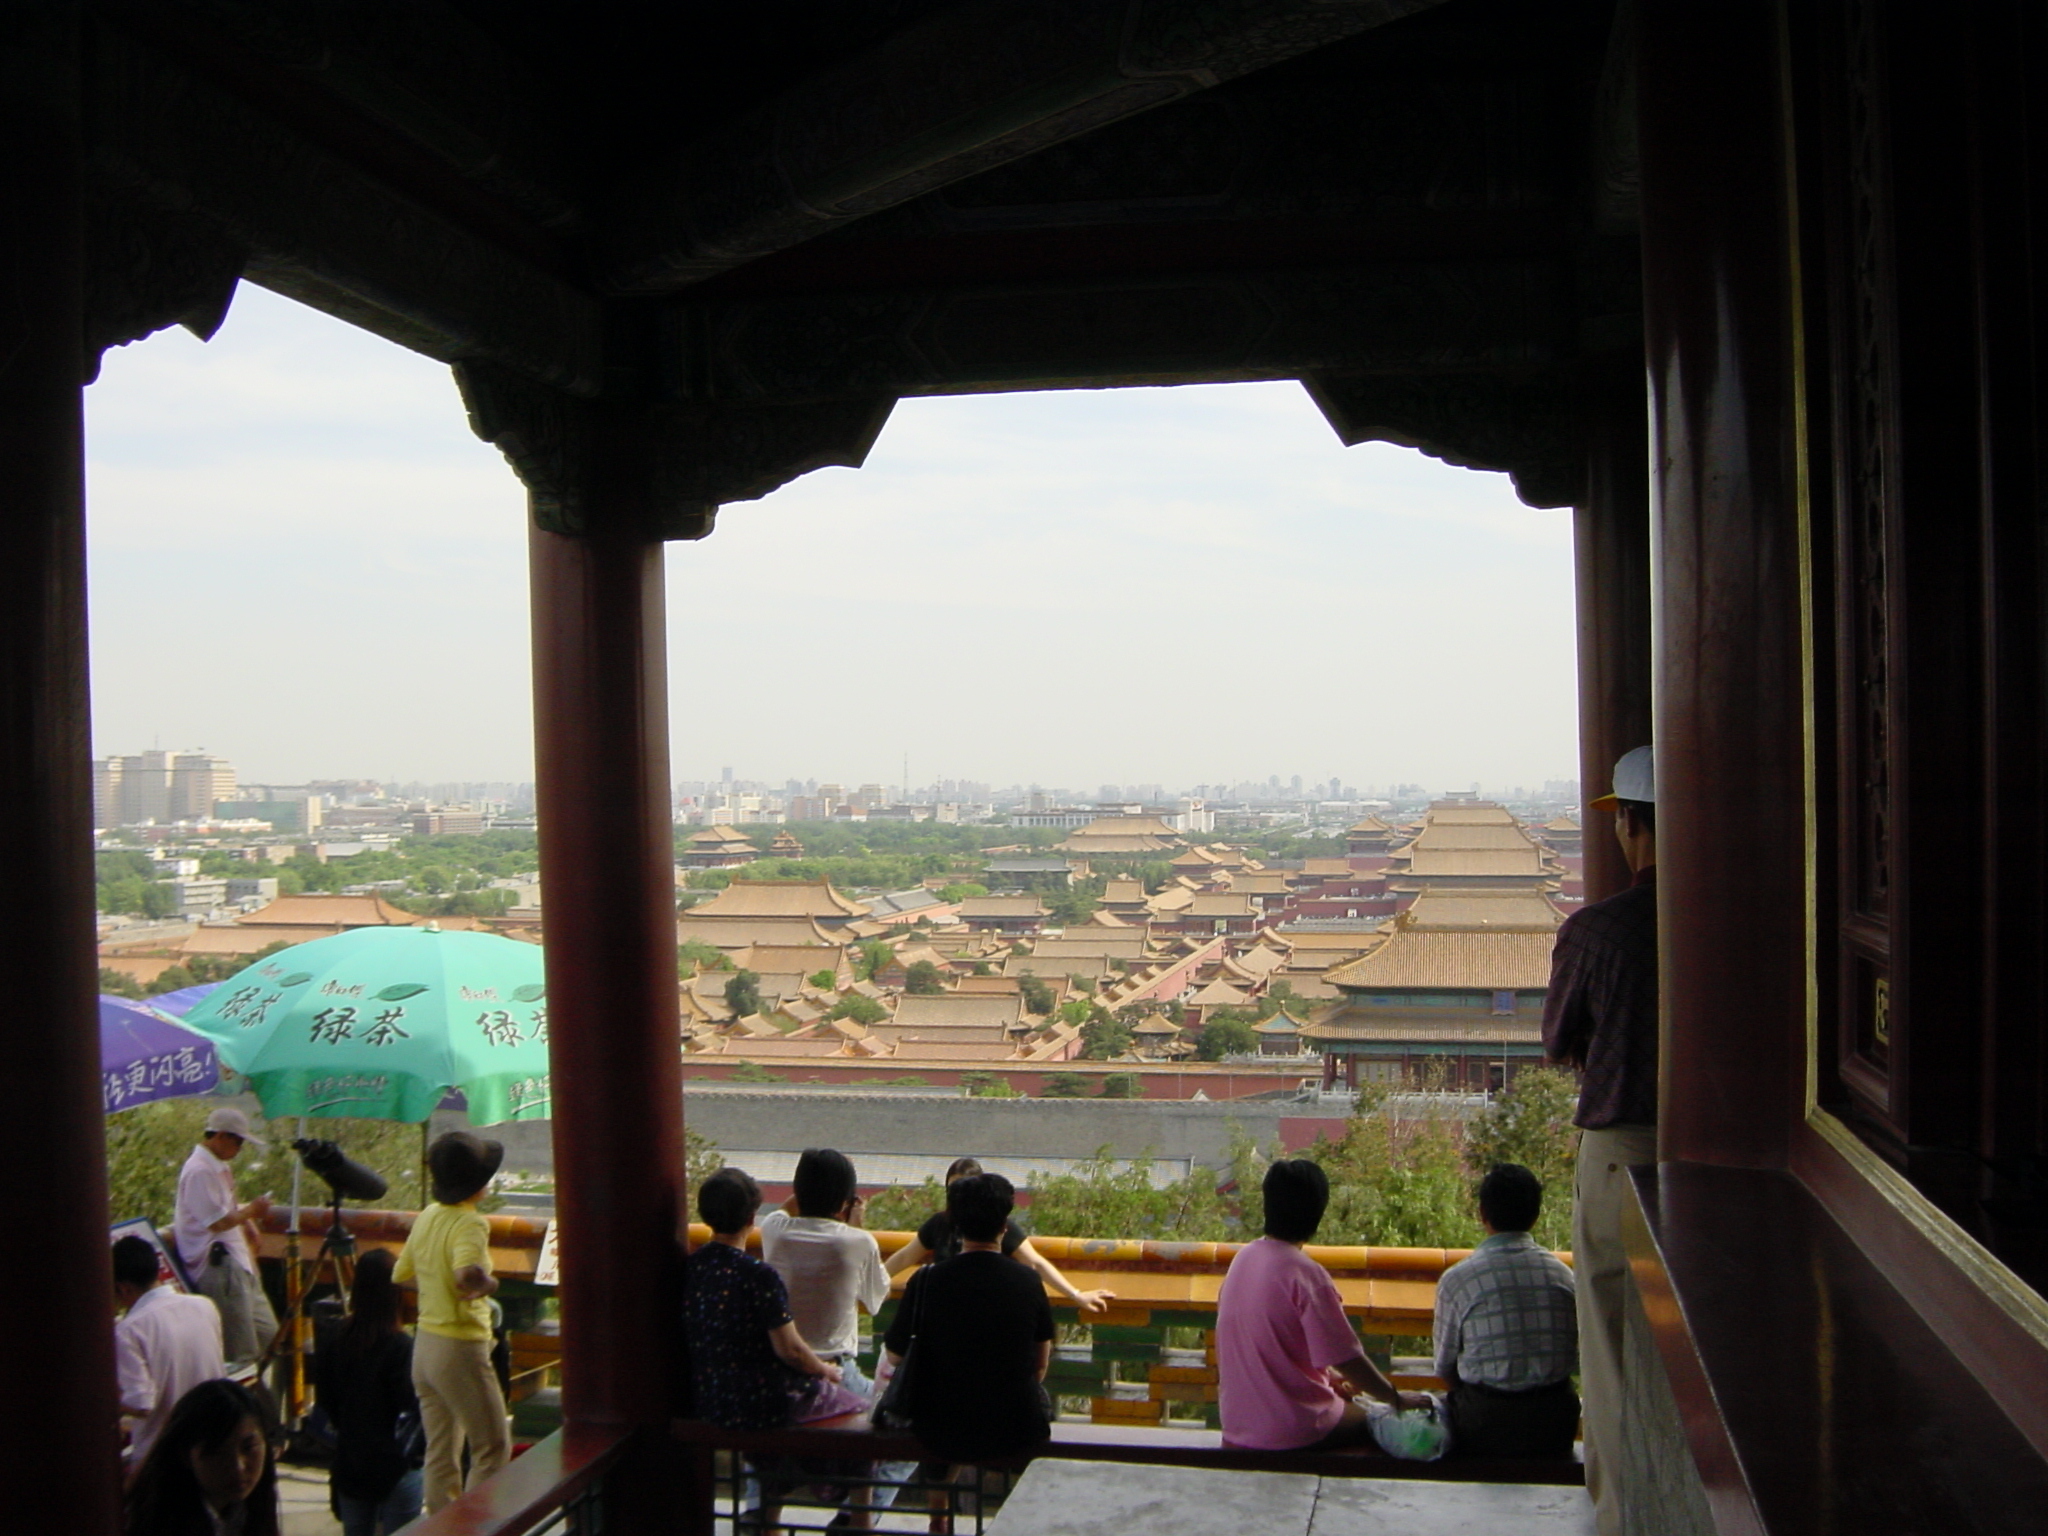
[(852, 1438)]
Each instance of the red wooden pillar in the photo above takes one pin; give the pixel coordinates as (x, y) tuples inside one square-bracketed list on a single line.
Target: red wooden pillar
[(58, 1455), (57, 1416), (1611, 548), (1730, 724), (607, 869)]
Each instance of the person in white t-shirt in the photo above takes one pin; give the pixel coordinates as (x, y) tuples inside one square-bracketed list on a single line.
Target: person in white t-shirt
[(216, 1235), (830, 1265), (165, 1345)]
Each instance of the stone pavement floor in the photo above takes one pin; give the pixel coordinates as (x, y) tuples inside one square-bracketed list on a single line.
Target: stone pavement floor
[(1084, 1498), (302, 1501)]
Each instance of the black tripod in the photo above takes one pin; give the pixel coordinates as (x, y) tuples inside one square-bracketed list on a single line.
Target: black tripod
[(337, 1248)]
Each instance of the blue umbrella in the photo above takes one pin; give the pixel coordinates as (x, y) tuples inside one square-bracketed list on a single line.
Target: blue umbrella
[(146, 1055), (181, 1002)]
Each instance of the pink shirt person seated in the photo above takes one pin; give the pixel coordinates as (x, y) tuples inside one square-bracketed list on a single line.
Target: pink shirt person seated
[(1287, 1360)]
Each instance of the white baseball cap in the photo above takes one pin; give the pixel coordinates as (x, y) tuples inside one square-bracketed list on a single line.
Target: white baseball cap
[(1635, 778), (235, 1123)]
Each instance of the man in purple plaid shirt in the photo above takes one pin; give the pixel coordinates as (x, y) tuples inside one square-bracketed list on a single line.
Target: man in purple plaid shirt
[(1601, 1017)]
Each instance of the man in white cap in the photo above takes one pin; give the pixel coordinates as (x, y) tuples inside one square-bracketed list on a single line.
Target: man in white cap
[(1601, 1017), (216, 1235)]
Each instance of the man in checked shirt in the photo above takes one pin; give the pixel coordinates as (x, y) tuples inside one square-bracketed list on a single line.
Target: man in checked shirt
[(1601, 1017), (1507, 1332)]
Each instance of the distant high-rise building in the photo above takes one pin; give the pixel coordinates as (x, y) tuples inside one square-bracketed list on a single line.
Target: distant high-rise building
[(106, 791), (159, 786), (197, 782)]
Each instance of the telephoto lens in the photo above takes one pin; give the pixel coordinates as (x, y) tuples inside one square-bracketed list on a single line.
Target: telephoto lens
[(349, 1179)]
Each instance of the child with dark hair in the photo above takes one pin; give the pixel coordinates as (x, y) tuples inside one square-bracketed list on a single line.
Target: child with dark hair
[(210, 1471), (363, 1375), (1507, 1331), (983, 1332), (1287, 1360)]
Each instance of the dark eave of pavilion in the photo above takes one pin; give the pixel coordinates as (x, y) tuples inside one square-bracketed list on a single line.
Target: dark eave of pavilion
[(759, 226)]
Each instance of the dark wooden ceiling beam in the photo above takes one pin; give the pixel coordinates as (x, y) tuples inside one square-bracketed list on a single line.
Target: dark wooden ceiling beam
[(958, 93), (1388, 316), (419, 69), (318, 227), (1141, 251)]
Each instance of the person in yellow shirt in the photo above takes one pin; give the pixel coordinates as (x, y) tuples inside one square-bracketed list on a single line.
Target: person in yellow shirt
[(448, 1256)]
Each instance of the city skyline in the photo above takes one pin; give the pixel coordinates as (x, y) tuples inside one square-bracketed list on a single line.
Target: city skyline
[(302, 560)]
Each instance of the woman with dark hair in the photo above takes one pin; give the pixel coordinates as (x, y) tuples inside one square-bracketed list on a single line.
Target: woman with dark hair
[(936, 1240), (364, 1379), (1288, 1364), (749, 1366), (210, 1472)]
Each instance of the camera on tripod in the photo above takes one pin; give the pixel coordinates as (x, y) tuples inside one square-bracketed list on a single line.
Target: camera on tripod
[(347, 1178)]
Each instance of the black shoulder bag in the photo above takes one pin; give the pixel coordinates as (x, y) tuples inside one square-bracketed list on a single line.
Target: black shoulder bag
[(893, 1409)]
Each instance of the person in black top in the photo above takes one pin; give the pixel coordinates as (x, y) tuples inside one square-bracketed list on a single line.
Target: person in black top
[(983, 1332), (364, 1378), (937, 1240)]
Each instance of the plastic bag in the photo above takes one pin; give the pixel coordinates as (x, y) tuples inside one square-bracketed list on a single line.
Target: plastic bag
[(1412, 1434)]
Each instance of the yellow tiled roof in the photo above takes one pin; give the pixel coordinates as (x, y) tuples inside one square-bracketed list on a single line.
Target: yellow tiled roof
[(780, 898), (1426, 958)]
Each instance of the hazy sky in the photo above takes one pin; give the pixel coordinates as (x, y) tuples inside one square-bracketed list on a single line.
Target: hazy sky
[(303, 561)]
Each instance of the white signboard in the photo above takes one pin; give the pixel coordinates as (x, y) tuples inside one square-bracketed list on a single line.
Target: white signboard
[(548, 1270)]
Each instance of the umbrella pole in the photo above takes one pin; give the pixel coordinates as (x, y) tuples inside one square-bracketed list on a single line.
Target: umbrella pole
[(295, 1286)]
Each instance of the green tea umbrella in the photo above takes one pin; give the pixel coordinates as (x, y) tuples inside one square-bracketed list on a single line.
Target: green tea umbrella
[(378, 1023)]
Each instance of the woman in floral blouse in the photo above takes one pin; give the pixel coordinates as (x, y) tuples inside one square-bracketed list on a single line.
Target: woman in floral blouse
[(749, 1367)]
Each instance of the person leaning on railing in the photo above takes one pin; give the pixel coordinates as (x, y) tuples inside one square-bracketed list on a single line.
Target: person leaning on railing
[(936, 1239)]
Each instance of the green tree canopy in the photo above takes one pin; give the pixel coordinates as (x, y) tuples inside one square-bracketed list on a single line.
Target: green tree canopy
[(1064, 1085), (922, 979), (1531, 1123), (859, 1008), (988, 1085), (121, 984), (1104, 1038), (743, 993), (1037, 995), (1228, 1033), (692, 953)]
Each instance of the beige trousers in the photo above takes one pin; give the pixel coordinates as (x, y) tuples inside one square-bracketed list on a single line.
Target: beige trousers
[(1600, 1269), (459, 1401)]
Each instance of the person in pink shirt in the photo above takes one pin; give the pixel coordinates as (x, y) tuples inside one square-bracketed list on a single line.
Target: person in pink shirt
[(1287, 1360)]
